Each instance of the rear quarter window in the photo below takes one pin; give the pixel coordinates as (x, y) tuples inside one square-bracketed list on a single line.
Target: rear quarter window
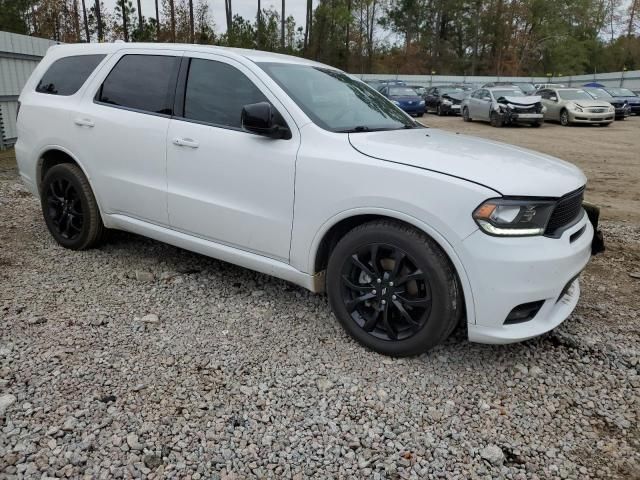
[(66, 75)]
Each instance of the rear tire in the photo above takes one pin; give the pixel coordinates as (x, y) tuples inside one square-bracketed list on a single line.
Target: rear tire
[(69, 207), (393, 289)]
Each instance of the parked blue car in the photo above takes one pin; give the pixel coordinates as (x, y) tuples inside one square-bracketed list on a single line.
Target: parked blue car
[(626, 95), (406, 98)]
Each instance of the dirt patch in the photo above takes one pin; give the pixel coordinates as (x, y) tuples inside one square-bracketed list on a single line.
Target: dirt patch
[(609, 157)]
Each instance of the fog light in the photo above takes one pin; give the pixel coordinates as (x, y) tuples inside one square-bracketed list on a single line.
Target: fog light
[(523, 312)]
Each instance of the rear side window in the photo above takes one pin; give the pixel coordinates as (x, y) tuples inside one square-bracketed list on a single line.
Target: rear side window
[(141, 82), (66, 75), (216, 93)]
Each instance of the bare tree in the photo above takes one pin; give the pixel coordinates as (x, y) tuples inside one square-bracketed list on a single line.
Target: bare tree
[(86, 22), (76, 20), (259, 25)]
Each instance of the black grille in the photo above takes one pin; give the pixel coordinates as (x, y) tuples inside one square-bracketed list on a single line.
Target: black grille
[(567, 210)]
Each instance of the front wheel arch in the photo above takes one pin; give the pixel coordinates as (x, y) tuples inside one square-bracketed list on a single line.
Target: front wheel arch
[(331, 232)]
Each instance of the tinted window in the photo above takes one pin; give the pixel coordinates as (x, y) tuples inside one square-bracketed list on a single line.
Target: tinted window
[(216, 93), (66, 75), (143, 82)]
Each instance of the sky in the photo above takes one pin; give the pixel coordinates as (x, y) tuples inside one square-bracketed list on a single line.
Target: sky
[(245, 8)]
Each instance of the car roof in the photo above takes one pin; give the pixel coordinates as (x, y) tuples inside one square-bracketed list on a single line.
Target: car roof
[(255, 56)]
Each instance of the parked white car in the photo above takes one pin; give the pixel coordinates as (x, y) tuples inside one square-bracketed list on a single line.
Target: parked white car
[(294, 169)]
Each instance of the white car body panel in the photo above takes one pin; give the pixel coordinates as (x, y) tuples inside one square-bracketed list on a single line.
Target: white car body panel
[(267, 204)]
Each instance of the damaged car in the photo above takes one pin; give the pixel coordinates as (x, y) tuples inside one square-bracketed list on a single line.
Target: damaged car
[(502, 106), (445, 99)]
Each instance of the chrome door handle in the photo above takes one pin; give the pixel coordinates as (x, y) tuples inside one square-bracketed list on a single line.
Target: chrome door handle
[(84, 122), (186, 142)]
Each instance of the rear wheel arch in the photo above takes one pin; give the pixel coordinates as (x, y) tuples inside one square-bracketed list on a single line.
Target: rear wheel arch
[(331, 234)]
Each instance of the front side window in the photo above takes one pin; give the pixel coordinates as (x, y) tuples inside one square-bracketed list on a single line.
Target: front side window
[(216, 93), (336, 102), (66, 75), (141, 82)]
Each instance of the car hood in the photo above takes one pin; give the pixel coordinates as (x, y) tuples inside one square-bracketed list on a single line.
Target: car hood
[(406, 99), (507, 169), (528, 100), (590, 103), (455, 96), (633, 100)]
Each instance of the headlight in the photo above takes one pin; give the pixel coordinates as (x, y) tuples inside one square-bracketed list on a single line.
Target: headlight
[(421, 102), (446, 102), (513, 218), (396, 103), (611, 109), (543, 109), (574, 107)]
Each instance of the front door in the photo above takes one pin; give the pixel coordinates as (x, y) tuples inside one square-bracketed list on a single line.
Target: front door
[(225, 184)]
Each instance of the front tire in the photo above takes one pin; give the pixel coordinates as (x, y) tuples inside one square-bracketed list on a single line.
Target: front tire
[(439, 110), (465, 115), (393, 289), (495, 120), (564, 118), (69, 207)]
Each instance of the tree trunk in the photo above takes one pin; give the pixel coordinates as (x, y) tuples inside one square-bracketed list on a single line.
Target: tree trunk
[(99, 21), (308, 23), (172, 11), (140, 26), (228, 10), (76, 20), (282, 22), (124, 20), (347, 36), (191, 29), (157, 22), (633, 8), (259, 25), (33, 20)]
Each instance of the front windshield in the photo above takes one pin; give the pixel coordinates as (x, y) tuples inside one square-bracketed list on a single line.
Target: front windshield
[(452, 90), (598, 93), (402, 92), (336, 102), (621, 92), (526, 87), (574, 95), (508, 93)]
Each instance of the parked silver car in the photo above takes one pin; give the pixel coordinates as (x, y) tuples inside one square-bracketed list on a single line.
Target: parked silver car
[(503, 106), (574, 105)]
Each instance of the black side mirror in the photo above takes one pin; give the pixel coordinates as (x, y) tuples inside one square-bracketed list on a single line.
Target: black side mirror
[(261, 119)]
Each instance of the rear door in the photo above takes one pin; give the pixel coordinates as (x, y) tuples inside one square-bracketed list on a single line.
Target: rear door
[(122, 126), (226, 184)]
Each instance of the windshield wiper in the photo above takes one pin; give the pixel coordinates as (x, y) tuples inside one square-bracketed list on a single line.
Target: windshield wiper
[(364, 128)]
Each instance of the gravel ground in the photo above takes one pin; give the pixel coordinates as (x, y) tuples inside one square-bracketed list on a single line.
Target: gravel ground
[(141, 360)]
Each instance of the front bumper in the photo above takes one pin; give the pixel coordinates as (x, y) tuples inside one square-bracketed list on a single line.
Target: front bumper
[(508, 272), (515, 116), (450, 109), (590, 117), (413, 109)]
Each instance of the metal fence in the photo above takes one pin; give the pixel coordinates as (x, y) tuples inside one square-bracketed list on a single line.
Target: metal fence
[(19, 55), (629, 80)]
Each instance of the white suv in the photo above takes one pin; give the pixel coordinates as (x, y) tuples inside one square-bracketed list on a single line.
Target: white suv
[(298, 170)]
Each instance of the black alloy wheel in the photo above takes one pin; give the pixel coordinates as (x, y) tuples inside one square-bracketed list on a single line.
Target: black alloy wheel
[(564, 118), (393, 289), (385, 293), (64, 208), (69, 207)]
